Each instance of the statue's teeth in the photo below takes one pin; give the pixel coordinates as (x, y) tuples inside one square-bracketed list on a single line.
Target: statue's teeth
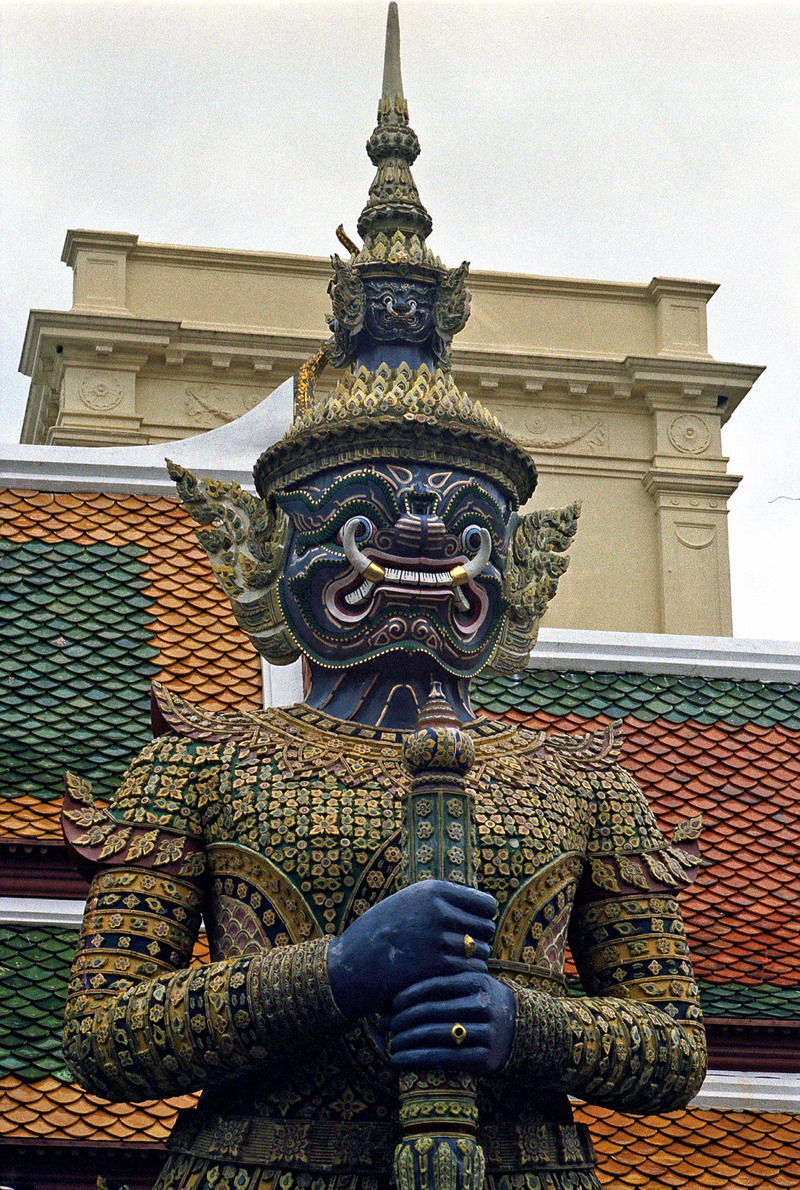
[(359, 595), (417, 578)]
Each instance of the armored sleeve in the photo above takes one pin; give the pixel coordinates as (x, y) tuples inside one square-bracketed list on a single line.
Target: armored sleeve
[(141, 1023), (635, 1041)]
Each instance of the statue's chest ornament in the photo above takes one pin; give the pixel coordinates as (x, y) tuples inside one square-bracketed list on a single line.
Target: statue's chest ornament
[(309, 836)]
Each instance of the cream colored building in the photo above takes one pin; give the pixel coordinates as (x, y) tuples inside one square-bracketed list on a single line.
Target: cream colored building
[(609, 385)]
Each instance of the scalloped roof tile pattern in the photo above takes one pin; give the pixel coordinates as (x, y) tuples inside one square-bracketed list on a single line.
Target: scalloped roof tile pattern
[(744, 779), (673, 698), (37, 1098), (26, 817), (696, 1150), (75, 663), (46, 1109), (206, 657), (94, 593), (34, 965)]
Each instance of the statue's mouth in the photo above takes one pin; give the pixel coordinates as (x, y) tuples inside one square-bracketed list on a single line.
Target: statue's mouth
[(376, 577), (415, 583)]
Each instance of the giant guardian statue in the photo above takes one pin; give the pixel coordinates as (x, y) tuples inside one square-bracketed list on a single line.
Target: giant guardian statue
[(389, 882)]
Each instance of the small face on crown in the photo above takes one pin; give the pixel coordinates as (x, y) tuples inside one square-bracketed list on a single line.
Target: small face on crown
[(399, 310), (395, 557)]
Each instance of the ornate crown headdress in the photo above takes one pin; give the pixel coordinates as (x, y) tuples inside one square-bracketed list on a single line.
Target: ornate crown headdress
[(381, 412)]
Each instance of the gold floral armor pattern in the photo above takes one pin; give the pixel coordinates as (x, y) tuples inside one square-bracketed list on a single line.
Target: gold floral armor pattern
[(297, 817)]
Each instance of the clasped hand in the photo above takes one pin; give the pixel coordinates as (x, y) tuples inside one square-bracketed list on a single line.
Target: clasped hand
[(406, 958)]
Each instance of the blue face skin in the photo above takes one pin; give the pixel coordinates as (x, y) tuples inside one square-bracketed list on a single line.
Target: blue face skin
[(416, 523), (398, 323)]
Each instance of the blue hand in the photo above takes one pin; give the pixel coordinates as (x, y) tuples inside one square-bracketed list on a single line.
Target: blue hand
[(414, 935), (423, 1016)]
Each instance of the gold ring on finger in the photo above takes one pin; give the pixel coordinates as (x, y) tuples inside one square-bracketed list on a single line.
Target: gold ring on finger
[(470, 946), (458, 1033)]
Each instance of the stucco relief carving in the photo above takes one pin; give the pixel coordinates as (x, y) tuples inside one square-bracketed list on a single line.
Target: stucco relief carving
[(696, 537), (213, 404), (555, 431), (689, 434), (100, 392)]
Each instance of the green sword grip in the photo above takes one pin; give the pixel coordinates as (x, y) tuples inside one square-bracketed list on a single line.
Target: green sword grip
[(438, 1109)]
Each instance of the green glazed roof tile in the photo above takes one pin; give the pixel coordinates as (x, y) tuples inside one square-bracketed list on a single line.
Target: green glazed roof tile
[(760, 1001), (34, 967), (643, 696), (737, 1000), (74, 643)]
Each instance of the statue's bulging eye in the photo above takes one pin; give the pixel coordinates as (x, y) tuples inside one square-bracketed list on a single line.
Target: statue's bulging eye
[(471, 538), (364, 530)]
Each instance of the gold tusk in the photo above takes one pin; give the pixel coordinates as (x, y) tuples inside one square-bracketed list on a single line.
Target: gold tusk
[(374, 572), (459, 576)]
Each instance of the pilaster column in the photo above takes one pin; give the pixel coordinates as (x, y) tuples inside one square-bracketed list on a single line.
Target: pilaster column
[(98, 398), (692, 538)]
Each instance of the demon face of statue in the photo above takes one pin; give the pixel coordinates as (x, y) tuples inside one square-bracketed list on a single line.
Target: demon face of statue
[(395, 557), (399, 310)]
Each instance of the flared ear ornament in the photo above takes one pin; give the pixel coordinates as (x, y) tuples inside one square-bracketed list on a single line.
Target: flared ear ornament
[(246, 545), (451, 309), (535, 562), (349, 306)]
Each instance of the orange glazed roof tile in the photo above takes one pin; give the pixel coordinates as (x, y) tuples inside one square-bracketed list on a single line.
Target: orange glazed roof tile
[(28, 817), (695, 1149), (204, 654), (47, 1109)]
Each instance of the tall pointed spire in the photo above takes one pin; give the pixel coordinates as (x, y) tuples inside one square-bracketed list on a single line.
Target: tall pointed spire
[(428, 303), (394, 224), (392, 76)]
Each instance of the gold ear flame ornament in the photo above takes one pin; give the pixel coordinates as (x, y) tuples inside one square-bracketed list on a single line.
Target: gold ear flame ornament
[(345, 241), (306, 378), (246, 545), (535, 562)]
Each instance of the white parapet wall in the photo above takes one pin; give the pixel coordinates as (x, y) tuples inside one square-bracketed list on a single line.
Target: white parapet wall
[(567, 649), (228, 452)]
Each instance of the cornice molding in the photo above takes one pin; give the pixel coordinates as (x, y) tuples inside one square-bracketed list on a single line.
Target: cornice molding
[(584, 651), (682, 287), (739, 1090), (666, 481), (76, 326), (188, 256), (109, 241)]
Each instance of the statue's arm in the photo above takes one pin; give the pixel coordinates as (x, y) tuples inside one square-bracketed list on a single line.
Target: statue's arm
[(131, 1035), (635, 1042), (141, 1023)]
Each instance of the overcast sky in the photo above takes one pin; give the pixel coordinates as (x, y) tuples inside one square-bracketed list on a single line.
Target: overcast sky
[(607, 140)]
